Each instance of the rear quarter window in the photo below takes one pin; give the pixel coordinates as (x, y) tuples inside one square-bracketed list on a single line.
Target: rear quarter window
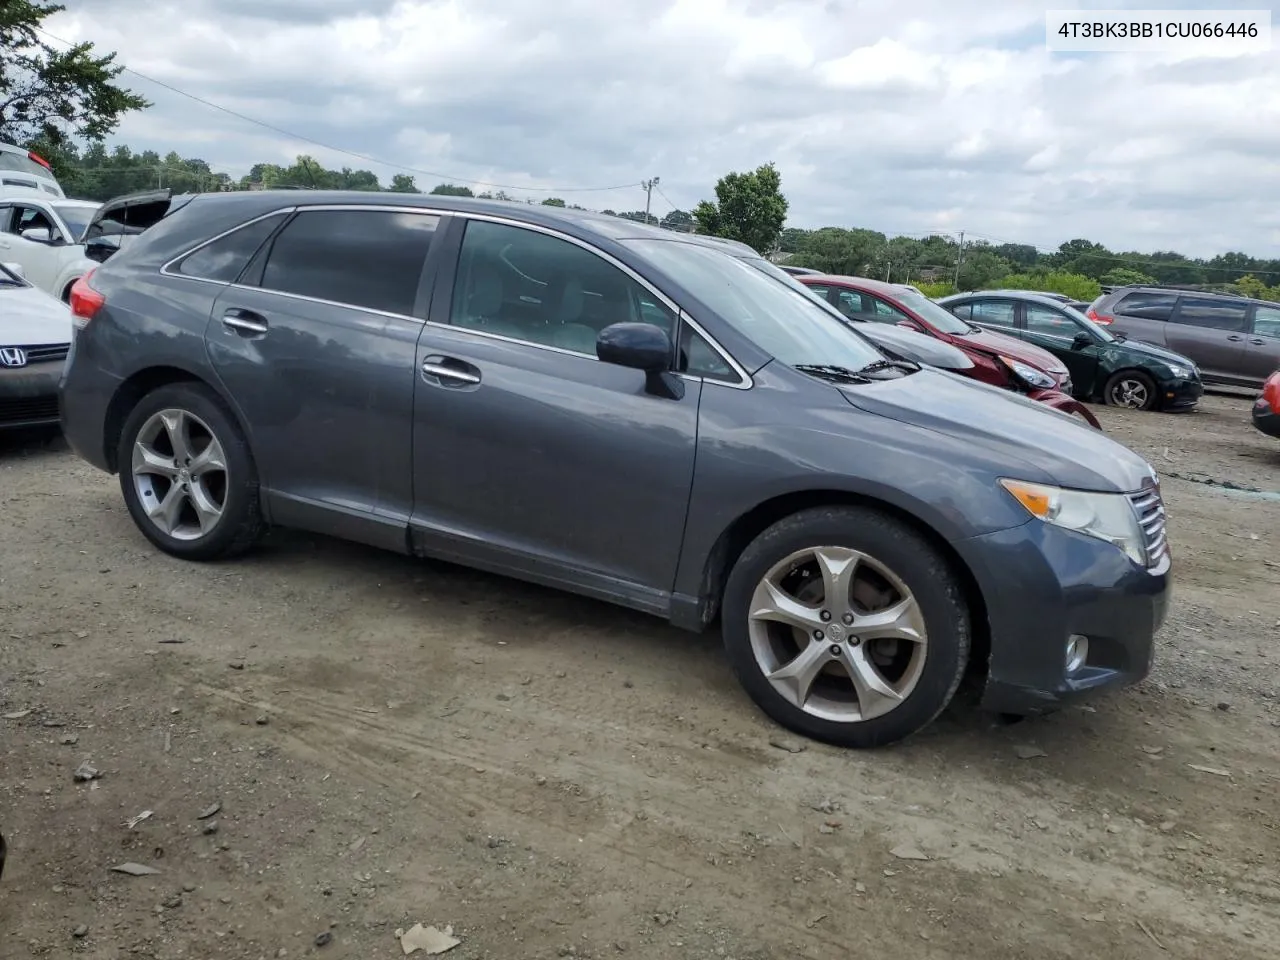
[(224, 259), (1147, 306)]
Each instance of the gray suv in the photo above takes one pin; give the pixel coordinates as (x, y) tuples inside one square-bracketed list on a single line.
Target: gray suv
[(605, 407), (1233, 340)]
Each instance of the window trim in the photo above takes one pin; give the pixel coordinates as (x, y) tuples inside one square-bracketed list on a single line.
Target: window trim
[(745, 381)]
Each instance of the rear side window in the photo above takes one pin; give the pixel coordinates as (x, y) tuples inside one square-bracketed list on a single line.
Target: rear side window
[(224, 259), (1214, 314), (363, 258), (996, 313), (1148, 306), (1266, 321)]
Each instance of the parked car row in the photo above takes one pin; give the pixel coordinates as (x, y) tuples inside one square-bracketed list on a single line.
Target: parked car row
[(659, 420)]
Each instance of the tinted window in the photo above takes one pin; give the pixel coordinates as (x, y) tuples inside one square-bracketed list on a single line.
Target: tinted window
[(1148, 306), (531, 286), (962, 310), (779, 319), (226, 257), (996, 313), (851, 303), (887, 313), (1049, 322), (1266, 321), (365, 258), (818, 290), (1215, 314), (698, 358)]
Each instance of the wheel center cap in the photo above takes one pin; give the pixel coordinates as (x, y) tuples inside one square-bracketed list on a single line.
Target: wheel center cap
[(184, 476), (835, 632)]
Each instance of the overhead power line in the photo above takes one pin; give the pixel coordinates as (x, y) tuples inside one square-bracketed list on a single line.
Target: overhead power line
[(350, 153)]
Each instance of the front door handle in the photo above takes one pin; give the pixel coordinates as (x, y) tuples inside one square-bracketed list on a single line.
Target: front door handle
[(245, 323), (451, 371), (1236, 337)]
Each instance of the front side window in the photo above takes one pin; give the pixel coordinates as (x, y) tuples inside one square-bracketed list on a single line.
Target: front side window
[(1049, 322), (887, 313), (786, 323), (962, 310), (532, 286), (1148, 306), (362, 258), (1212, 313), (994, 313), (29, 221), (225, 258), (1266, 321)]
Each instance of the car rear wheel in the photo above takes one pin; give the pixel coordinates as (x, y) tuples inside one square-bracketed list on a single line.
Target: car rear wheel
[(187, 475), (846, 625), (1132, 389)]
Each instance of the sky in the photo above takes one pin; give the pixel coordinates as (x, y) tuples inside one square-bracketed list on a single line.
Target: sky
[(904, 116)]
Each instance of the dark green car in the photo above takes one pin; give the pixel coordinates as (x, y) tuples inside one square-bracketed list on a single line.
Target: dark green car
[(1104, 367)]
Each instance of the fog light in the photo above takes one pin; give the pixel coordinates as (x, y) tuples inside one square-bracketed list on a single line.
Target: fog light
[(1077, 652)]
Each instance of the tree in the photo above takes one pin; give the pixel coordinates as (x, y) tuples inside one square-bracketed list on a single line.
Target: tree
[(50, 96), (1123, 276), (553, 202), (749, 208), (403, 183), (451, 190), (681, 220), (981, 267), (837, 250)]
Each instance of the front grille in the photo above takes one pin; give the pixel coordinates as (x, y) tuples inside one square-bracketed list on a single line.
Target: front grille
[(28, 410), (45, 353), (1150, 509)]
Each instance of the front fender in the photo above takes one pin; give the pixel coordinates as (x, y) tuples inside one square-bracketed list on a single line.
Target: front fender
[(1065, 404)]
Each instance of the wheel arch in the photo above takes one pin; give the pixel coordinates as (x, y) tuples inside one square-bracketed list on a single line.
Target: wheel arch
[(749, 525), (136, 386)]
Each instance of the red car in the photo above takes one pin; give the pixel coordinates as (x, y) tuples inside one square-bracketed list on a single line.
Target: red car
[(1266, 409), (998, 360)]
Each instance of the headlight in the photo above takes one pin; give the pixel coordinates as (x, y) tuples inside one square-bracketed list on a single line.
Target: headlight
[(1107, 516), (1029, 374), (1182, 373)]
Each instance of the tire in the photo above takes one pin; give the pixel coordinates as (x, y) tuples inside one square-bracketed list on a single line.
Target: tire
[(198, 414), (923, 676), (1133, 385)]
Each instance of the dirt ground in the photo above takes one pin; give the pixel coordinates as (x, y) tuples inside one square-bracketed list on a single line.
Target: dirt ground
[(394, 742)]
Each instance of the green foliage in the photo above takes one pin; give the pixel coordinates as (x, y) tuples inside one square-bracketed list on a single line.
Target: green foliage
[(981, 267), (553, 202), (1073, 285), (942, 288), (749, 208), (839, 251), (1123, 276), (53, 96), (403, 183), (681, 220), (452, 190)]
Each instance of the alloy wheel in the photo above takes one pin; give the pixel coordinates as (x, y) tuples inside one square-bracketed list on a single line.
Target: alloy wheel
[(180, 474), (1130, 393), (838, 634)]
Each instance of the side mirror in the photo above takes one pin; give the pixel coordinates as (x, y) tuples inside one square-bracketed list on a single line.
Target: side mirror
[(642, 346), (37, 234), (100, 248), (16, 269), (1081, 340)]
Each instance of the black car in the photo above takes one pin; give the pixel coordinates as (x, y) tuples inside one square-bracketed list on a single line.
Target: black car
[(1104, 367)]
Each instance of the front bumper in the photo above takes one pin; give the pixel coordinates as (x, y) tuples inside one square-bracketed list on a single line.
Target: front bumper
[(1042, 584), (1180, 394), (29, 395), (1266, 419)]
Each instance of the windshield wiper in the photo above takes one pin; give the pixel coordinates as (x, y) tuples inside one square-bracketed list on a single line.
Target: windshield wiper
[(906, 365), (832, 372)]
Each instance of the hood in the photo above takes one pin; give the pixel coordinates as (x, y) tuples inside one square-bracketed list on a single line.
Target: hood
[(1009, 425), (1156, 353), (31, 318), (915, 346), (129, 214), (999, 343)]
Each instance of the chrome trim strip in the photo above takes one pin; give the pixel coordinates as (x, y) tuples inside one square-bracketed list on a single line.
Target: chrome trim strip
[(449, 373)]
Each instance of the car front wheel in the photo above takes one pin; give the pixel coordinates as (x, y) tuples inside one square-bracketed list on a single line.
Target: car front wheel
[(847, 626), (187, 475), (1132, 389)]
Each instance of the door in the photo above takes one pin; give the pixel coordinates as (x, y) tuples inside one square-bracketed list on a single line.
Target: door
[(1262, 354), (1054, 331), (316, 346), (531, 456), (1212, 332), (29, 236)]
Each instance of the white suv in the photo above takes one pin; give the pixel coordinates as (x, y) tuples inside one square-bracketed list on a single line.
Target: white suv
[(25, 171), (44, 236)]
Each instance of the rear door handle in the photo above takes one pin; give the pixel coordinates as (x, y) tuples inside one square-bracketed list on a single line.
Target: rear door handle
[(245, 322), (1258, 340), (449, 371)]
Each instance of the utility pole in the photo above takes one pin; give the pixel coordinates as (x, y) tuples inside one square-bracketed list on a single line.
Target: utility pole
[(648, 194), (959, 260)]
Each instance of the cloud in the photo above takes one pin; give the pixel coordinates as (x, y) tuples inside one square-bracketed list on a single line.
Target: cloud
[(897, 115)]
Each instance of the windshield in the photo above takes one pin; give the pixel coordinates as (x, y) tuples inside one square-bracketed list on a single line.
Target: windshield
[(792, 328), (939, 317), (1096, 329), (76, 216)]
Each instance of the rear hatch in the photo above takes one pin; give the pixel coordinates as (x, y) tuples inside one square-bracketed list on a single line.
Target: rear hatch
[(122, 218)]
